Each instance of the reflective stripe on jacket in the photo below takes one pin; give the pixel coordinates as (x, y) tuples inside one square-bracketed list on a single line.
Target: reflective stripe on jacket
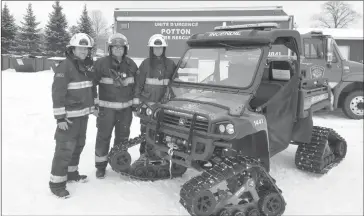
[(72, 91), (115, 93), (152, 81)]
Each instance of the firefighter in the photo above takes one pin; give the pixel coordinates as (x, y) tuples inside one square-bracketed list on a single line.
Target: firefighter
[(155, 74), (73, 100), (115, 75)]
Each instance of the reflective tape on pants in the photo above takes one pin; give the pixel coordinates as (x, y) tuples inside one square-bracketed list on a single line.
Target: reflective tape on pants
[(58, 179), (100, 159), (72, 168)]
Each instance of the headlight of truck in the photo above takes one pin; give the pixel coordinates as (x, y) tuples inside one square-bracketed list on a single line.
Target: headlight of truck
[(230, 128), (221, 128), (149, 112), (225, 128)]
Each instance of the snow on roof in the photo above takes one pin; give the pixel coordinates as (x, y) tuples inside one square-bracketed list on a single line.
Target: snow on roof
[(343, 34), (201, 8)]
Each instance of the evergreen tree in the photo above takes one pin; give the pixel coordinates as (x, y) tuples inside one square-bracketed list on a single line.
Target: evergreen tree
[(85, 24), (73, 30), (29, 33), (8, 30), (56, 33)]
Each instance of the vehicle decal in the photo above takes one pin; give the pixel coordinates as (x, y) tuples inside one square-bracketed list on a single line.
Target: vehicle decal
[(258, 122), (317, 71)]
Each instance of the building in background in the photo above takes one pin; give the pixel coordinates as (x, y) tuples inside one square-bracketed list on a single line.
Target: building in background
[(178, 24)]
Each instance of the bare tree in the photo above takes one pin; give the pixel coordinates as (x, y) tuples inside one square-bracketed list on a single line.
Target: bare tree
[(336, 14), (98, 22)]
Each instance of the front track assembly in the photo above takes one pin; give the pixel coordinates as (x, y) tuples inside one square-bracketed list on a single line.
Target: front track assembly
[(326, 150), (151, 168), (234, 186)]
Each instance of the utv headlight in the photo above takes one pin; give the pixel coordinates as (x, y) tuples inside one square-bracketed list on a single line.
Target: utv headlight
[(149, 112), (230, 128), (221, 128)]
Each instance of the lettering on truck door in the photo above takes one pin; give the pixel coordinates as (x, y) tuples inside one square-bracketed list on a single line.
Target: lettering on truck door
[(315, 62)]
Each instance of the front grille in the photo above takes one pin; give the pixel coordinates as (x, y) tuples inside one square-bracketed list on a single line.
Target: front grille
[(173, 118)]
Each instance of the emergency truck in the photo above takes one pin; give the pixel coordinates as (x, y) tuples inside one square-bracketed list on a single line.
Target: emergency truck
[(321, 57)]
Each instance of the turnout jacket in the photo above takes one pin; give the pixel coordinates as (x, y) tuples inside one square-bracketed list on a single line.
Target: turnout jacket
[(155, 75), (116, 82), (72, 89)]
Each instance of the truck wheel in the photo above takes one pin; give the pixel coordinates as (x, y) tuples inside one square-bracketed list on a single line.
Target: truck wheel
[(354, 105)]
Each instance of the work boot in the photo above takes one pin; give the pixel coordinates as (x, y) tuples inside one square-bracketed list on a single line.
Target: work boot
[(100, 173), (76, 177), (59, 189)]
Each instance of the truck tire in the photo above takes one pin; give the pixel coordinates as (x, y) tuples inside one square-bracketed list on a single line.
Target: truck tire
[(353, 106)]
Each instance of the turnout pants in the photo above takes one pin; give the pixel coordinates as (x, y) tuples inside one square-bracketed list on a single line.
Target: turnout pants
[(69, 146), (107, 120)]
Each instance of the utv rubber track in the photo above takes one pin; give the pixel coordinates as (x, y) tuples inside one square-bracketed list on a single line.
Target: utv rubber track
[(313, 157), (156, 172), (224, 169)]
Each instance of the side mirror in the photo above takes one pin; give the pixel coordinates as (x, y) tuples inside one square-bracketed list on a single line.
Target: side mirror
[(329, 50)]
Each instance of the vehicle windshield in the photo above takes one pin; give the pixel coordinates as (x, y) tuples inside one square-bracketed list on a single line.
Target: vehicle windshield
[(221, 67)]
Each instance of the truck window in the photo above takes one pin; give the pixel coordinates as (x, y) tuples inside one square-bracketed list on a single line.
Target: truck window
[(313, 48), (220, 66)]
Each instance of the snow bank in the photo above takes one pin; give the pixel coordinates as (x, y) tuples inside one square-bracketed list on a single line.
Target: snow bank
[(28, 146)]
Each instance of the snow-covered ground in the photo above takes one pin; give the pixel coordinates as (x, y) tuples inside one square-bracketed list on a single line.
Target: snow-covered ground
[(28, 146)]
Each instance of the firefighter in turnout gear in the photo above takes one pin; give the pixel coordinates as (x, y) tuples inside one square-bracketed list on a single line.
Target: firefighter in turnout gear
[(73, 100), (115, 75), (155, 74)]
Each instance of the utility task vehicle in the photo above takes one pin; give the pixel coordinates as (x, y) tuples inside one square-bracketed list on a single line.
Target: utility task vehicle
[(229, 119)]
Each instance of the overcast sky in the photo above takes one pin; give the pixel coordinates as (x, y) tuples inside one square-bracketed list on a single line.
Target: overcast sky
[(302, 10)]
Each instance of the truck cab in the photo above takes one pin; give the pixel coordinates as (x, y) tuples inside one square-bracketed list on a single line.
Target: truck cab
[(321, 57)]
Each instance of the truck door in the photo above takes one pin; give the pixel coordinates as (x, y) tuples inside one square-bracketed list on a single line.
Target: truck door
[(315, 62)]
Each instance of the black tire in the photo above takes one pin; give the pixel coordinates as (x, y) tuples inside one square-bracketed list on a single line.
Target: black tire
[(271, 204), (351, 100), (120, 161), (204, 203), (340, 149), (252, 212), (224, 212)]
